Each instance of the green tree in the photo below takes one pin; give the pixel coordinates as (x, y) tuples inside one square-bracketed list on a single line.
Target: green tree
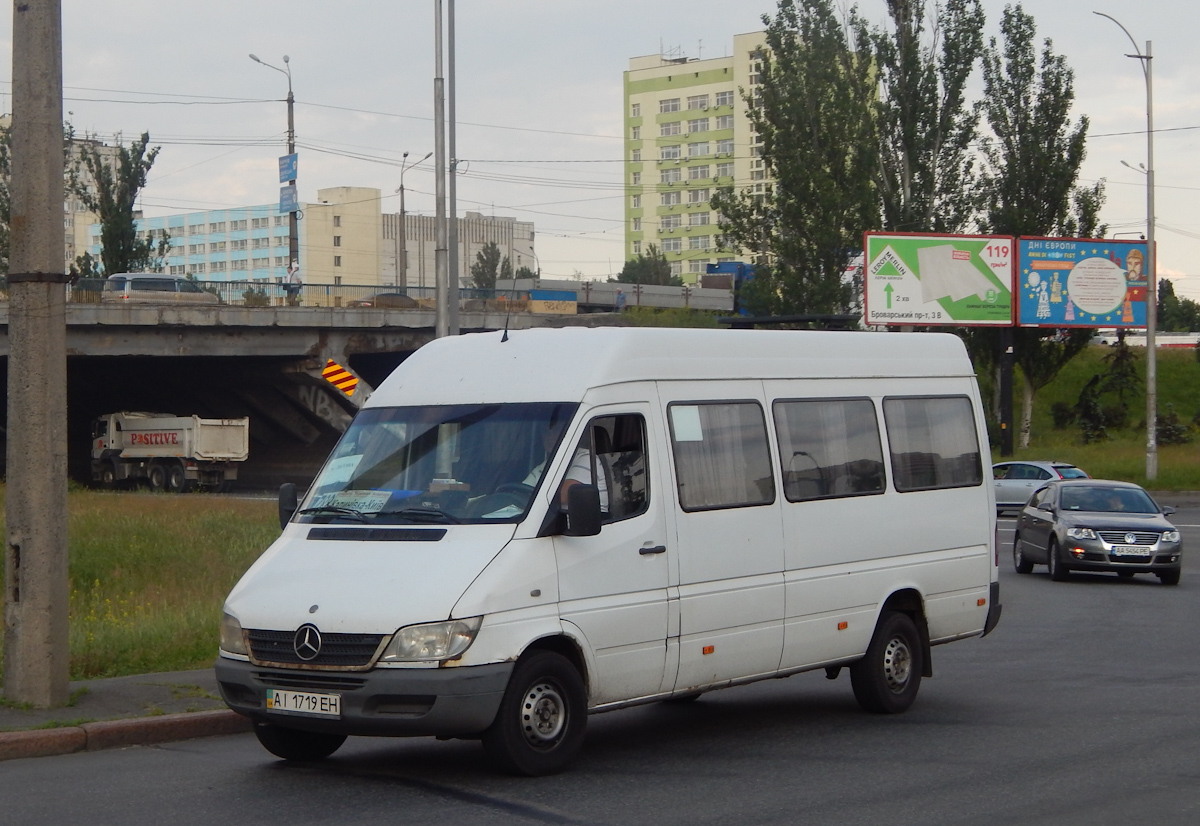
[(486, 267), (1175, 314), (112, 194), (1028, 183), (6, 179), (525, 272), (649, 268), (1121, 379), (926, 127), (812, 115)]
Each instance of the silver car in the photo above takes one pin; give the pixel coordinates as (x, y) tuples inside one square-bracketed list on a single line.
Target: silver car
[(1015, 482), (1097, 525)]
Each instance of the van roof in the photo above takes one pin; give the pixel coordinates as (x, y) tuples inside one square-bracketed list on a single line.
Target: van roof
[(562, 364)]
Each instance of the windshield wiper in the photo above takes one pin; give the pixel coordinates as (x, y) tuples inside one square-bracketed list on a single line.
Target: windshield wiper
[(422, 515), (335, 510)]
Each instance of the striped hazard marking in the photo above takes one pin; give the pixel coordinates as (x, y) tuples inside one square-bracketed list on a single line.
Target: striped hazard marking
[(339, 377)]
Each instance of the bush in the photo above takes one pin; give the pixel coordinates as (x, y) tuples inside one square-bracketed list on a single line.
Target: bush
[(256, 298), (1063, 415), (1170, 430)]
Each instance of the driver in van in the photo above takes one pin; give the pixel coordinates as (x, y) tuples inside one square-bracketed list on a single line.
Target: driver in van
[(579, 473)]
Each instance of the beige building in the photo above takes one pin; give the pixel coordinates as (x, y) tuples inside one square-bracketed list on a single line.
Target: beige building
[(341, 237), (687, 133)]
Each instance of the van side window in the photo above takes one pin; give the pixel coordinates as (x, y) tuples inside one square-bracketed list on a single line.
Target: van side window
[(721, 455), (612, 455), (932, 442), (828, 448)]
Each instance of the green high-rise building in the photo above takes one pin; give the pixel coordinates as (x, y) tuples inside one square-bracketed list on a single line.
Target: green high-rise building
[(686, 134)]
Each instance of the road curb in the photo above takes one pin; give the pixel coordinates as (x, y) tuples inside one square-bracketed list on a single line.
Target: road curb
[(138, 731)]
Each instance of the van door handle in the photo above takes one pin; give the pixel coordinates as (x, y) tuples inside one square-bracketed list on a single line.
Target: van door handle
[(657, 549)]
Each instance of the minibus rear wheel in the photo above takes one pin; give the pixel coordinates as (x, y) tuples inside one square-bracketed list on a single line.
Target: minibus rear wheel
[(886, 680), (293, 744), (542, 718)]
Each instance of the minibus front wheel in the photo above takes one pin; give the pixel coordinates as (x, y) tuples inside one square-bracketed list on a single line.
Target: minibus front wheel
[(886, 680), (542, 718)]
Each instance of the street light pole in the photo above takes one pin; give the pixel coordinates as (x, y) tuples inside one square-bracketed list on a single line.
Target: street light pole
[(293, 227), (402, 258), (442, 274), (1151, 261)]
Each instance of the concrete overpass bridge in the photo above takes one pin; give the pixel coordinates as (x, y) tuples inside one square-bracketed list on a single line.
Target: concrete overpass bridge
[(231, 361)]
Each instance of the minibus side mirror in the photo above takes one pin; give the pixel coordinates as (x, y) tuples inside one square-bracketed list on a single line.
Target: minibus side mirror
[(583, 510), (288, 502)]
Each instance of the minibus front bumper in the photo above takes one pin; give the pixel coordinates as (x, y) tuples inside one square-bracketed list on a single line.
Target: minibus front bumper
[(400, 702)]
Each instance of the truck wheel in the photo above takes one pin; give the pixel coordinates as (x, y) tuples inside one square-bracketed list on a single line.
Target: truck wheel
[(177, 481), (293, 744), (542, 718), (886, 680), (156, 474), (108, 475)]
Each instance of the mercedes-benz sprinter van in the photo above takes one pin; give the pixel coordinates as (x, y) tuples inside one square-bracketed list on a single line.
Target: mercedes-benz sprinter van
[(521, 529)]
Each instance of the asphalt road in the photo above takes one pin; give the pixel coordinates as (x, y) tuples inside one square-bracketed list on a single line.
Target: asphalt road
[(1082, 708)]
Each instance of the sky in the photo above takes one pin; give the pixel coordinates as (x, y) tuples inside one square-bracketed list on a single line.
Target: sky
[(539, 103)]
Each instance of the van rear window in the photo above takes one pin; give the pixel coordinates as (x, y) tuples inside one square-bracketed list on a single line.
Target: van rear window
[(933, 443), (721, 455)]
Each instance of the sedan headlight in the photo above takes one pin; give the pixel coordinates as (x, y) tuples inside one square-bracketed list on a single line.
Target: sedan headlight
[(431, 642), (1081, 533), (1170, 536), (232, 638)]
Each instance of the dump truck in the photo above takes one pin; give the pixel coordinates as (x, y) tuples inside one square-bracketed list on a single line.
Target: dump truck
[(168, 452)]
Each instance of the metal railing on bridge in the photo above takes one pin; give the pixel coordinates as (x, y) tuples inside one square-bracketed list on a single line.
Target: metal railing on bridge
[(540, 297)]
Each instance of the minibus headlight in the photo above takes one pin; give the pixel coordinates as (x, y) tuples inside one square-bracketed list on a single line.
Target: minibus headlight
[(434, 641), (232, 639)]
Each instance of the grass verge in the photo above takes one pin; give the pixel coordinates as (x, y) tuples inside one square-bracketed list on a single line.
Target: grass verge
[(149, 573)]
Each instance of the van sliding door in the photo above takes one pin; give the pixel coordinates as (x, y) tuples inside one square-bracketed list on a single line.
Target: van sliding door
[(728, 533)]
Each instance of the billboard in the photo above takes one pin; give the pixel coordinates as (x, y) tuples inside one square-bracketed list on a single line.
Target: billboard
[(1081, 282), (959, 280)]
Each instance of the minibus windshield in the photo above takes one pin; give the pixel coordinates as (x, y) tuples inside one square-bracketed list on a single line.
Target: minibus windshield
[(446, 464)]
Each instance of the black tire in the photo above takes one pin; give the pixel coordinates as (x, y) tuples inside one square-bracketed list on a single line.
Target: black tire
[(1058, 571), (542, 718), (177, 481), (108, 475), (156, 475), (887, 678), (1022, 565), (293, 744), (1169, 577)]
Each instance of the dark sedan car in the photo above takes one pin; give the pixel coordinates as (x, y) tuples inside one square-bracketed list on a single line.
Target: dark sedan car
[(1097, 525)]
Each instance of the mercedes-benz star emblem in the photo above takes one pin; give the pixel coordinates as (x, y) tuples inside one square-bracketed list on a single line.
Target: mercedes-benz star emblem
[(307, 642), (1130, 539)]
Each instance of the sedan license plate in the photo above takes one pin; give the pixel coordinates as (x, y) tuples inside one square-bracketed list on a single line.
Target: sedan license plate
[(304, 702), (1130, 550)]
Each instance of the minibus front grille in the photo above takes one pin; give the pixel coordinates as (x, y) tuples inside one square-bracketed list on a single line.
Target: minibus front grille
[(337, 651), (309, 680)]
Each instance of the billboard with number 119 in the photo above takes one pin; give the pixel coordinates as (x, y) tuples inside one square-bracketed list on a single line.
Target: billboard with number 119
[(958, 280)]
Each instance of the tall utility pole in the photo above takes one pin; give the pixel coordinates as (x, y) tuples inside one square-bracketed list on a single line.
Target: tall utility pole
[(36, 593), (402, 256), (442, 272), (453, 264), (1151, 261), (293, 222)]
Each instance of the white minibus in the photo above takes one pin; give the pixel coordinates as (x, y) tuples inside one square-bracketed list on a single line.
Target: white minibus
[(519, 529)]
